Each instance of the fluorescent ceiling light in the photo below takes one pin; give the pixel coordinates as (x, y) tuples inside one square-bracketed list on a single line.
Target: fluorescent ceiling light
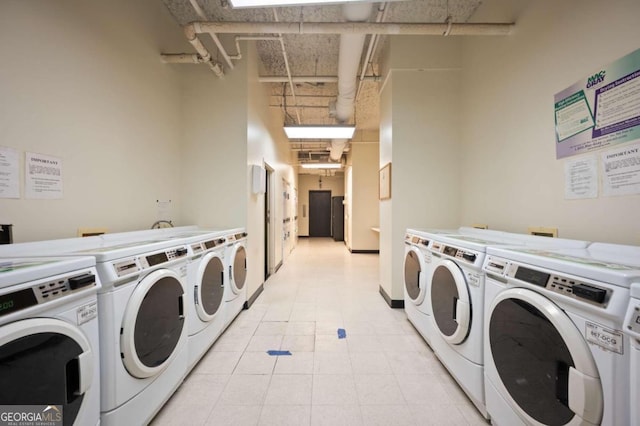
[(272, 3), (319, 132), (321, 166)]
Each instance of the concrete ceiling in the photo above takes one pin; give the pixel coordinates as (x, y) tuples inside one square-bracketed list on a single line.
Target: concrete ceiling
[(316, 54)]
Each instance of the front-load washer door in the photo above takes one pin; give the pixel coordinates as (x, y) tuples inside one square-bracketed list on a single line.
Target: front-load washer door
[(45, 362), (210, 289), (450, 302), (545, 368), (412, 275), (153, 324), (238, 268)]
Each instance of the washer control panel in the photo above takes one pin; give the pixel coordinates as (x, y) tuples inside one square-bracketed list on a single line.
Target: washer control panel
[(45, 291), (138, 263), (549, 280), (632, 319), (457, 253), (412, 239)]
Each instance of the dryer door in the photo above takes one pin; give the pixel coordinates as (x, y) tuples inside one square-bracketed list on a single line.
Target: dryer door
[(545, 368), (450, 302), (210, 289), (238, 267), (413, 270), (153, 324), (45, 362)]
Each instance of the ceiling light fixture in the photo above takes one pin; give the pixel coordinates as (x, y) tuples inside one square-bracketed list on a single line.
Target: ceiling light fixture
[(321, 166), (272, 3), (319, 132)]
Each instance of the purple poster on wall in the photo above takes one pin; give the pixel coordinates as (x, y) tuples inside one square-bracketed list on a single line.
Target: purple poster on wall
[(600, 110)]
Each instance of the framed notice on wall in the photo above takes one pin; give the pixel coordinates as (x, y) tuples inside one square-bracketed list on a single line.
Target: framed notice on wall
[(384, 184)]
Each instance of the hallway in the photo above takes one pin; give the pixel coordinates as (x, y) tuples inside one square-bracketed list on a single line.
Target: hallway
[(382, 373)]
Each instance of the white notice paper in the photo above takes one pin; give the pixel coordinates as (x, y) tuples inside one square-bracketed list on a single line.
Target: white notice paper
[(43, 176), (621, 171), (9, 173), (581, 178)]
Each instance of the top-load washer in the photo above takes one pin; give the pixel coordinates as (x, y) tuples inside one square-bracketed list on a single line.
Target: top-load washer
[(555, 351), (143, 334), (49, 343), (235, 296), (456, 298)]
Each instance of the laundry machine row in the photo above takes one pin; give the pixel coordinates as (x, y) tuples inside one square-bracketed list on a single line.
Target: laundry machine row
[(451, 293), (557, 335), (141, 319)]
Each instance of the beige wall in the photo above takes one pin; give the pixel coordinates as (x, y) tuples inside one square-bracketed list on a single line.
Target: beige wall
[(362, 196), (512, 178), (419, 135), (267, 147), (306, 183), (83, 81)]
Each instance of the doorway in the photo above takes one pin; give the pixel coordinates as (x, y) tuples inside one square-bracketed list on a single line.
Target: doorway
[(319, 213), (269, 242)]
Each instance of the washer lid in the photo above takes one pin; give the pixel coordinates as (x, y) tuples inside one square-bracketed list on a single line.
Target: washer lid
[(15, 271), (608, 263)]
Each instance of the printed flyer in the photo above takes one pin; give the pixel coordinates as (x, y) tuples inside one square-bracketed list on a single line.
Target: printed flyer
[(601, 110)]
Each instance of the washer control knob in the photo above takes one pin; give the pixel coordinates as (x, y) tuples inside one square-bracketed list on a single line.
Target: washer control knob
[(469, 256)]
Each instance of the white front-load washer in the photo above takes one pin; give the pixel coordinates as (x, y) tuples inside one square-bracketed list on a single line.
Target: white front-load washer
[(555, 351), (456, 299), (417, 264), (235, 296), (49, 343), (205, 279), (632, 329), (143, 333)]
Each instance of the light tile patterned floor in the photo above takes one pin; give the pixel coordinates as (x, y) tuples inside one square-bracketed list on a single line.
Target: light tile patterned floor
[(382, 373)]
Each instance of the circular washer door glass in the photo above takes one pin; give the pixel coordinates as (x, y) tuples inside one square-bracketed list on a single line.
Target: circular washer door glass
[(412, 270), (240, 267), (211, 288), (532, 360)]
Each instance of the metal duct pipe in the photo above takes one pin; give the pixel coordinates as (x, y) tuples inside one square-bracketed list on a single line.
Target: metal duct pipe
[(384, 28), (351, 46)]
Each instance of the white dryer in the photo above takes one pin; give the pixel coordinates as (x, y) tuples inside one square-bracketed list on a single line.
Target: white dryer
[(143, 333), (235, 296), (49, 344), (417, 264), (555, 351), (456, 298)]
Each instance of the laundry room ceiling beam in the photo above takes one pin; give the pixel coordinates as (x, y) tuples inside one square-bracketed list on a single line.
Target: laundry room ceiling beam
[(384, 28)]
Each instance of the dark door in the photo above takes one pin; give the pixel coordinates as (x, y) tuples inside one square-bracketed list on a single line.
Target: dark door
[(337, 218), (319, 213)]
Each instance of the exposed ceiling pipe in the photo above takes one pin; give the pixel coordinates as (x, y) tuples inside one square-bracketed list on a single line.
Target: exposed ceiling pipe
[(351, 46), (190, 33), (286, 64), (214, 36), (182, 58), (238, 54), (382, 28), (310, 79), (373, 42)]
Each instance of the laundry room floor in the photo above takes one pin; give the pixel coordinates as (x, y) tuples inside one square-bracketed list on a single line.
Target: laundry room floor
[(381, 373)]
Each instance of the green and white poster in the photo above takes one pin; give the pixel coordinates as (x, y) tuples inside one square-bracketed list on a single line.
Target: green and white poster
[(600, 110)]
